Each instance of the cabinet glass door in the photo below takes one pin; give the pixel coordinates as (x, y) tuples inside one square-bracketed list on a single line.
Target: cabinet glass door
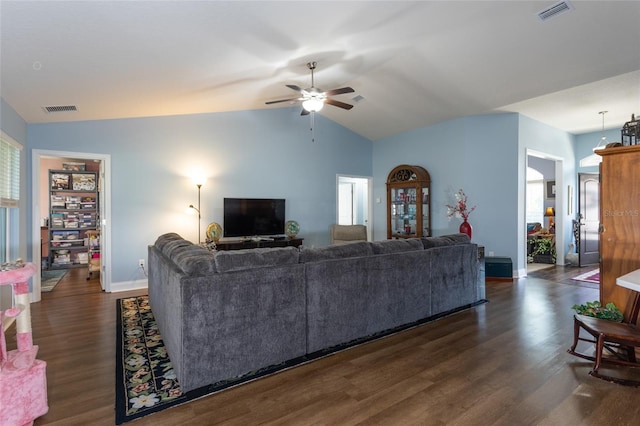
[(404, 211), (425, 212)]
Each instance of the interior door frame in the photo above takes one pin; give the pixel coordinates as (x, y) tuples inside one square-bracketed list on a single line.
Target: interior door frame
[(104, 200), (561, 200), (368, 208)]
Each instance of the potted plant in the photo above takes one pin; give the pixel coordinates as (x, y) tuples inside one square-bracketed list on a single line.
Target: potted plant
[(544, 250), (595, 309)]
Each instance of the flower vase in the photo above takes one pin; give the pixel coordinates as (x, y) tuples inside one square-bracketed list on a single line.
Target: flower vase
[(466, 228)]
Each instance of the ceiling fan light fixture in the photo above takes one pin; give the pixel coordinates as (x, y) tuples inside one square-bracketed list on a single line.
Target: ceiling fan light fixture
[(313, 104), (313, 99)]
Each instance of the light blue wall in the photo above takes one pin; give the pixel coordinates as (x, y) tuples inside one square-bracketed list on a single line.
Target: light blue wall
[(262, 153), (477, 154), (486, 156)]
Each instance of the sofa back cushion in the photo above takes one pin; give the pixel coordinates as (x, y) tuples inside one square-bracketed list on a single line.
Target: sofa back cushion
[(194, 260), (235, 260), (445, 240), (457, 239), (188, 257), (167, 242), (338, 251), (396, 246)]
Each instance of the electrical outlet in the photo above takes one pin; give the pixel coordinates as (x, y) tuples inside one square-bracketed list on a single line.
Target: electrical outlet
[(141, 263), (491, 254)]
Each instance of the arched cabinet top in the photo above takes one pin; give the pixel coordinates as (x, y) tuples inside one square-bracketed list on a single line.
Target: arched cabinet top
[(405, 173)]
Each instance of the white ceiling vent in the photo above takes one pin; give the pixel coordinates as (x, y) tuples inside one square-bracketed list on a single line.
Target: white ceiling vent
[(555, 10), (59, 108)]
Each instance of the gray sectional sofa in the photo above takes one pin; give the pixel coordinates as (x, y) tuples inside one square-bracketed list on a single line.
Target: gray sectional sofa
[(229, 313)]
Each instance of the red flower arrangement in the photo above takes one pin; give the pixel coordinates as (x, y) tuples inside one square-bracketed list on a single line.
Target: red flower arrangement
[(460, 209)]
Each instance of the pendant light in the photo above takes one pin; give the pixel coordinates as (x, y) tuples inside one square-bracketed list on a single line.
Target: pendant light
[(594, 159)]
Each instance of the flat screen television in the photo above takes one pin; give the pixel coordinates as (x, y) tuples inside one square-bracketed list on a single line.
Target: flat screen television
[(248, 217)]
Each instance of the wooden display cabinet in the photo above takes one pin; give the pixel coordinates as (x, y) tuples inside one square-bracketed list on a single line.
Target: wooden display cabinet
[(619, 222), (408, 202)]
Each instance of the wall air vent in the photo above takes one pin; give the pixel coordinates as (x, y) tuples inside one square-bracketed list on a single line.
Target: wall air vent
[(59, 108), (555, 10)]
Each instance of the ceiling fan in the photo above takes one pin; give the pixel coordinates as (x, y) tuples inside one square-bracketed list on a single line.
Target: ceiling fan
[(313, 99)]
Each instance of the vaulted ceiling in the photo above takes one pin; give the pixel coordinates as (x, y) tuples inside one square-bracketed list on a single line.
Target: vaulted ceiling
[(412, 64)]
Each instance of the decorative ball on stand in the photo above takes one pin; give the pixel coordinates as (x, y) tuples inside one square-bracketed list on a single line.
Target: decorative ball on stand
[(291, 228), (214, 232)]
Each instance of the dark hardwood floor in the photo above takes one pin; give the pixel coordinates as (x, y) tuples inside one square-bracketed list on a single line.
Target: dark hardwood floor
[(502, 363)]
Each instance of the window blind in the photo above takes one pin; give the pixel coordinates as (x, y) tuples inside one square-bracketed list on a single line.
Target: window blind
[(9, 171)]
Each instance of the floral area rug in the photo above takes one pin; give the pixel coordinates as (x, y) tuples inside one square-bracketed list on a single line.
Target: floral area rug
[(145, 381), (589, 277)]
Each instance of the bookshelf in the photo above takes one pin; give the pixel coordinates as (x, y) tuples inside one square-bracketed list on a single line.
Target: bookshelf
[(73, 210)]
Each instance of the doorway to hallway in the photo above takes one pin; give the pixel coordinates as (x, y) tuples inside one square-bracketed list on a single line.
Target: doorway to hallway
[(40, 204), (353, 203), (547, 211)]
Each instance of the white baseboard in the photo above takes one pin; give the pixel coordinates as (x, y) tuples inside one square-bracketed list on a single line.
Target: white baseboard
[(129, 285)]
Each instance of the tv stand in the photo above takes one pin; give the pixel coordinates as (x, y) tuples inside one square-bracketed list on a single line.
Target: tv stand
[(240, 243)]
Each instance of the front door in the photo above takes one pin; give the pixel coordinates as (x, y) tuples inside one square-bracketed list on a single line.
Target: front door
[(589, 214)]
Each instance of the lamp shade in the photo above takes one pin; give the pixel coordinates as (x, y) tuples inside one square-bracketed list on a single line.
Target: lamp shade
[(549, 212)]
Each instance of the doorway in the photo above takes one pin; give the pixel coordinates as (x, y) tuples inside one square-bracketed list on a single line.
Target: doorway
[(588, 243), (40, 203), (353, 201), (547, 211)]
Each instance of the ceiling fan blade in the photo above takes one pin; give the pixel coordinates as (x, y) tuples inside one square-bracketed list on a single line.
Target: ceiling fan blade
[(294, 87), (338, 104), (282, 100), (304, 112), (339, 91)]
